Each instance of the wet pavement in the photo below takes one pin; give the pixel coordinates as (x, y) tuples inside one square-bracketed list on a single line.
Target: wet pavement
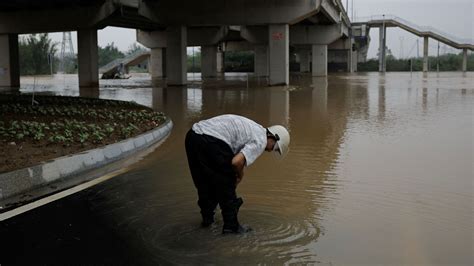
[(379, 172)]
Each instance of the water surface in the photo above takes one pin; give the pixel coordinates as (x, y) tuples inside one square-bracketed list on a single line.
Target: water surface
[(380, 171)]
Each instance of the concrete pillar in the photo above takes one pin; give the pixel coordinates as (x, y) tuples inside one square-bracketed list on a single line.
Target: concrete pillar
[(88, 58), (209, 61), (9, 61), (464, 60), (261, 61), (304, 61), (355, 60), (163, 50), (320, 60), (89, 92), (279, 54), (382, 45), (156, 63), (220, 62), (349, 61), (176, 55), (425, 54)]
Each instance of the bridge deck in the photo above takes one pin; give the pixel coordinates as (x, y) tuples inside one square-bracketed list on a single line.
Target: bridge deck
[(130, 60), (422, 31)]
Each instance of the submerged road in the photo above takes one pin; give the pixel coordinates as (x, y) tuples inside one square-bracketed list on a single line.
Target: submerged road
[(379, 172)]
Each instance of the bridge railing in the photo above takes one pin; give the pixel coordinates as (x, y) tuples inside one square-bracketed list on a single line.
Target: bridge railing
[(421, 29)]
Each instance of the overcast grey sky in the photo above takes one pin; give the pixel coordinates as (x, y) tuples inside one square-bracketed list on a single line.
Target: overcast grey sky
[(452, 16)]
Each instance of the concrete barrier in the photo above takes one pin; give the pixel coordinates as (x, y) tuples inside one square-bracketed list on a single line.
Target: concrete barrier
[(66, 168)]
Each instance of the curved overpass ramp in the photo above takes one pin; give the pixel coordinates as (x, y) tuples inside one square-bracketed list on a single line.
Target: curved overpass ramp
[(119, 65)]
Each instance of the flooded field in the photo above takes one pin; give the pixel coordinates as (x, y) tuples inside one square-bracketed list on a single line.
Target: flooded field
[(380, 171)]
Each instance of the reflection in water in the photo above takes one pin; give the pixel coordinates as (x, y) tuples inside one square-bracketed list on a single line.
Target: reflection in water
[(381, 101), (194, 100), (425, 99), (89, 92), (273, 192), (370, 178)]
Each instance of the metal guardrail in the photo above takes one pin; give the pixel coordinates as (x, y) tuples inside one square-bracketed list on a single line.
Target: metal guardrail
[(421, 29)]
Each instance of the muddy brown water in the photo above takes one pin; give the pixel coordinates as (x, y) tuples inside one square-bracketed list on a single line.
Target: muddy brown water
[(380, 171)]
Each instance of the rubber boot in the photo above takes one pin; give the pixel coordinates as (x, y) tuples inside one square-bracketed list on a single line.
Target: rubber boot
[(207, 212), (231, 222)]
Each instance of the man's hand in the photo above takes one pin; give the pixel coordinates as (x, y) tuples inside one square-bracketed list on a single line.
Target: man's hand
[(238, 163)]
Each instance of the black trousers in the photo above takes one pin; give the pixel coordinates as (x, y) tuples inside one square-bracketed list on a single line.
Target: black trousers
[(210, 162)]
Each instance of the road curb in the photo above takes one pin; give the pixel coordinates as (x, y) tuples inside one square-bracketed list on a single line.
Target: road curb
[(67, 167)]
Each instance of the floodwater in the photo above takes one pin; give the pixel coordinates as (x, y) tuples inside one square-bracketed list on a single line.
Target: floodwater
[(380, 171)]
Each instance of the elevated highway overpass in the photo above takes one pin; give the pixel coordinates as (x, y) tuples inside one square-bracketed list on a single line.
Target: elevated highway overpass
[(167, 27)]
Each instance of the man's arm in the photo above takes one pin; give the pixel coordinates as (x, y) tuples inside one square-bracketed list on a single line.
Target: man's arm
[(238, 163)]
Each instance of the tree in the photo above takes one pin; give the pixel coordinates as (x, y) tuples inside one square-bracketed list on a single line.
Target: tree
[(239, 61), (135, 48), (108, 54), (447, 62), (36, 54), (194, 62)]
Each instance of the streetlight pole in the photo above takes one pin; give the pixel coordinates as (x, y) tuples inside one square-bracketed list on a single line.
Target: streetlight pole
[(437, 59), (352, 10), (417, 49), (384, 67)]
